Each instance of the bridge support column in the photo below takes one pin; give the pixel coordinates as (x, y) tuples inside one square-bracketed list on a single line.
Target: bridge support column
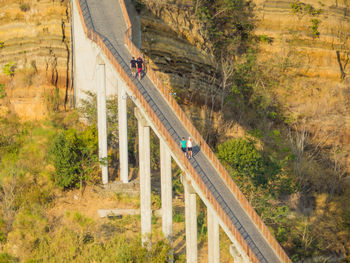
[(191, 222), (166, 191), (145, 177), (102, 117), (123, 133), (213, 238)]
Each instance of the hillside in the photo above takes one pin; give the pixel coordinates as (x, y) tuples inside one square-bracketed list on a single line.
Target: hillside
[(35, 41)]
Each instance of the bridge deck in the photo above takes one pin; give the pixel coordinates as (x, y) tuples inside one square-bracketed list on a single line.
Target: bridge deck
[(108, 21)]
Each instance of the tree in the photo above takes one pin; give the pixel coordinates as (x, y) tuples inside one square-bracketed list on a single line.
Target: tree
[(243, 156), (74, 157)]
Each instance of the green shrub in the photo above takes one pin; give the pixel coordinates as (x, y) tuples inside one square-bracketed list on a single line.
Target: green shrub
[(82, 220), (119, 248), (66, 152), (9, 69), (2, 91), (156, 201), (177, 185), (202, 224), (178, 217), (265, 38), (314, 28), (74, 156), (301, 8), (247, 160), (6, 258), (24, 7), (29, 230)]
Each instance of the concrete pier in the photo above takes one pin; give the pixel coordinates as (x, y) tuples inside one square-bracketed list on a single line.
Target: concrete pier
[(213, 238), (145, 177), (191, 222), (123, 133), (166, 191), (102, 117)]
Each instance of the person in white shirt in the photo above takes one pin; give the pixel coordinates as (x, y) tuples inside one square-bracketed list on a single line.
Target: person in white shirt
[(189, 147)]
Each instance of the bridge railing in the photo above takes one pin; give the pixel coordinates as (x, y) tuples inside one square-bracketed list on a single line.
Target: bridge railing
[(204, 146), (122, 71)]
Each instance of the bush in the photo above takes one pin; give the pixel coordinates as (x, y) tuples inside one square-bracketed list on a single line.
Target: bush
[(119, 248), (247, 160), (24, 7), (74, 157), (2, 91), (178, 217), (6, 258), (9, 69)]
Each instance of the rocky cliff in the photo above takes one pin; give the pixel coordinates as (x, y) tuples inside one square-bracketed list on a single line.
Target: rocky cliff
[(317, 30), (313, 37), (35, 43)]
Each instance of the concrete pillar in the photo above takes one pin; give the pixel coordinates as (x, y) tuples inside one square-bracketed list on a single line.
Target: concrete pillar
[(102, 117), (166, 191), (191, 222), (123, 133), (213, 238), (145, 177)]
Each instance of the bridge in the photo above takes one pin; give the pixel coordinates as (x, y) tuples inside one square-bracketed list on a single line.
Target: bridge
[(103, 44)]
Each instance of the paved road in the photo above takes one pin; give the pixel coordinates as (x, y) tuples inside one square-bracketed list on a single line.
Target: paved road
[(108, 20)]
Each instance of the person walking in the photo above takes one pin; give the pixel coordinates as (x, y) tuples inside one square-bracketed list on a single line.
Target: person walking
[(189, 147), (133, 66), (139, 66), (183, 145)]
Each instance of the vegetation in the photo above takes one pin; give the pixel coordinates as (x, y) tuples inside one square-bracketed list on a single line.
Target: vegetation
[(42, 160), (75, 157), (248, 161), (35, 159), (9, 69), (24, 7), (314, 27), (2, 91), (301, 9)]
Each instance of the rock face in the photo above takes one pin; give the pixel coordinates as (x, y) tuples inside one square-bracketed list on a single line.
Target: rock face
[(313, 37), (171, 40), (35, 37), (317, 30)]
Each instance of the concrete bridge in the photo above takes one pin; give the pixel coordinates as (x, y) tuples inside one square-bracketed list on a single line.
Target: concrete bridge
[(102, 48)]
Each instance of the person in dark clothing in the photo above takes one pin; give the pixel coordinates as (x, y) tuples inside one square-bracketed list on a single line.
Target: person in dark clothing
[(133, 63), (139, 66)]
